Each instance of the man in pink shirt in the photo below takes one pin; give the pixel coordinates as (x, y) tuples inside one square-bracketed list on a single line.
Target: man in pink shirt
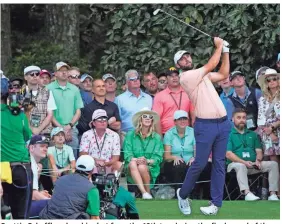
[(211, 125), (171, 99)]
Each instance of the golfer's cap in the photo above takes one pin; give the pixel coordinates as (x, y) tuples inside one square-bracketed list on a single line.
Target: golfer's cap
[(179, 55), (84, 76), (235, 73), (108, 76), (38, 139), (56, 131), (31, 68), (99, 113), (179, 114), (61, 64), (85, 163)]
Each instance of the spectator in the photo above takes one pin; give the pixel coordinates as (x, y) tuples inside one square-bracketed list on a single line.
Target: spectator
[(102, 144), (244, 97), (111, 86), (244, 154), (74, 197), (99, 102), (132, 100), (269, 114), (278, 63), (227, 90), (180, 145), (86, 89), (173, 98), (260, 72), (150, 82), (61, 158), (69, 103), (73, 76), (41, 103), (44, 78), (38, 147), (143, 151), (14, 134), (162, 81), (15, 85)]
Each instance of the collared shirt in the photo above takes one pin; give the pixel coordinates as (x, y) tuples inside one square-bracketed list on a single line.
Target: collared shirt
[(63, 157), (86, 96), (181, 147), (167, 102), (202, 93), (86, 114), (243, 145), (100, 148), (128, 104), (68, 100), (224, 98)]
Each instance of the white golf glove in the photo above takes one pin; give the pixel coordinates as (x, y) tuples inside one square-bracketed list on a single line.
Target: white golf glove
[(225, 48)]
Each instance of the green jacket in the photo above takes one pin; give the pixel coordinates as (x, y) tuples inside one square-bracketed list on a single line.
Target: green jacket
[(135, 146)]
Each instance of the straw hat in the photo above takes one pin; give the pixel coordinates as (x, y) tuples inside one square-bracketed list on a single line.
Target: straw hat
[(145, 110), (268, 72)]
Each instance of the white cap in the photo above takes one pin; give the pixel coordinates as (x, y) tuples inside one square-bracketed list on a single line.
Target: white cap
[(56, 131), (179, 55), (85, 163), (99, 113), (31, 69), (84, 76), (108, 76), (61, 64), (179, 114)]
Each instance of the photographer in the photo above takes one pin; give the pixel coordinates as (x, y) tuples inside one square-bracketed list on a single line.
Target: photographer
[(74, 196), (14, 134)]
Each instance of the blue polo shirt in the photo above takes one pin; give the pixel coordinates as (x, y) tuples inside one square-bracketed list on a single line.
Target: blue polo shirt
[(128, 104), (224, 99), (181, 147)]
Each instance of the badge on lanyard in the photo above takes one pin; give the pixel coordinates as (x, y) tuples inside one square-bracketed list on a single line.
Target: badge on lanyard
[(250, 121), (246, 155), (35, 120)]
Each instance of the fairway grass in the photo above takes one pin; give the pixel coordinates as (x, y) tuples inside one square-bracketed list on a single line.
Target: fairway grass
[(168, 209)]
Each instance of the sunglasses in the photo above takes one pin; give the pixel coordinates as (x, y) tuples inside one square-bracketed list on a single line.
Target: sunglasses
[(147, 116), (132, 79), (34, 74), (162, 81), (101, 119), (16, 86), (74, 77), (272, 79)]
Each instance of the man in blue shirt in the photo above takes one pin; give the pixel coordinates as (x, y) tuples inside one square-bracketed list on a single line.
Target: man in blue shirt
[(86, 89), (227, 90)]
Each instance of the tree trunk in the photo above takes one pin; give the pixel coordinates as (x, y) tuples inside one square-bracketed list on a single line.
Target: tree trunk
[(62, 26), (6, 52)]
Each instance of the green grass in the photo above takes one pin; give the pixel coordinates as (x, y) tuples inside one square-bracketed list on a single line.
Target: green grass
[(168, 209)]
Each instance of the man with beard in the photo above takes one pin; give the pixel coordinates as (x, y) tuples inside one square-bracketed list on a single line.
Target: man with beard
[(244, 155), (211, 126), (150, 82)]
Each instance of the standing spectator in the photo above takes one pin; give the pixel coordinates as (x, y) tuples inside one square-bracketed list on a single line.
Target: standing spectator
[(15, 85), (111, 86), (260, 72), (150, 82), (244, 154), (227, 90), (73, 76), (244, 97), (69, 103), (132, 100), (102, 144), (143, 151), (162, 81), (269, 114), (173, 98), (44, 78), (99, 102), (86, 89), (14, 134)]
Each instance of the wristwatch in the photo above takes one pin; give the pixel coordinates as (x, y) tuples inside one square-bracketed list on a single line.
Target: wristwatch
[(70, 124)]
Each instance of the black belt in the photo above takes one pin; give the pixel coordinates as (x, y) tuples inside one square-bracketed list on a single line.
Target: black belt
[(19, 163)]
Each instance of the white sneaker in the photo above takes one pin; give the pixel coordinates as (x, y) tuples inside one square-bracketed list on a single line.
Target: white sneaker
[(146, 195), (273, 197), (209, 210), (183, 204), (251, 197)]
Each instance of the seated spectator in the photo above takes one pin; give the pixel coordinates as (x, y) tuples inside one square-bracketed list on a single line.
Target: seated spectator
[(44, 78), (111, 86), (143, 151), (73, 76), (86, 89), (244, 154), (60, 156), (179, 144), (102, 144), (162, 81)]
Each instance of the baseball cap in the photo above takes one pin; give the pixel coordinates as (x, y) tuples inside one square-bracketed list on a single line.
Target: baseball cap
[(44, 71), (172, 70), (31, 68), (235, 73), (84, 76), (179, 55), (61, 64), (17, 79), (85, 163), (99, 113), (4, 86), (38, 139), (179, 114), (56, 131), (108, 76)]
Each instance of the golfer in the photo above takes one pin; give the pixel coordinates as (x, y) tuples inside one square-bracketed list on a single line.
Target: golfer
[(211, 126)]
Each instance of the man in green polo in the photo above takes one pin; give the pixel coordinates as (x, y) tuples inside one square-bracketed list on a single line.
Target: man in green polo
[(244, 155)]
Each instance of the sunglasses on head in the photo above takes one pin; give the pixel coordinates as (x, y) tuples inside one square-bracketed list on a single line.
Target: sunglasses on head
[(15, 86), (147, 116), (32, 74), (133, 78), (272, 79), (101, 119)]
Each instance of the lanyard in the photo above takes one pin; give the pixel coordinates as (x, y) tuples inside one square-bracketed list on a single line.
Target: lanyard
[(62, 160), (100, 150), (180, 100)]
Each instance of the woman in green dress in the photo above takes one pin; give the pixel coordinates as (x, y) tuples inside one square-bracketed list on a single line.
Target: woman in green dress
[(143, 151)]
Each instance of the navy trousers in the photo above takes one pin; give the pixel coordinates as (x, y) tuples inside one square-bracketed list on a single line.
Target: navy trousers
[(211, 136)]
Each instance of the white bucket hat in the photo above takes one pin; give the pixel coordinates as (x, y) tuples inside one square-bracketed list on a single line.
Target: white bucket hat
[(268, 72), (145, 110)]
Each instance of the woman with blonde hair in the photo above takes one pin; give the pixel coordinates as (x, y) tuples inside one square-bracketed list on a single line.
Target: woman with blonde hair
[(269, 114), (143, 151)]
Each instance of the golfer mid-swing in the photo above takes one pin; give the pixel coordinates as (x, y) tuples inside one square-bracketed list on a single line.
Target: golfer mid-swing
[(211, 126)]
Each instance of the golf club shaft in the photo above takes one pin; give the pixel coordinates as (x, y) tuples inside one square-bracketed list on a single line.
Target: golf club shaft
[(186, 23)]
